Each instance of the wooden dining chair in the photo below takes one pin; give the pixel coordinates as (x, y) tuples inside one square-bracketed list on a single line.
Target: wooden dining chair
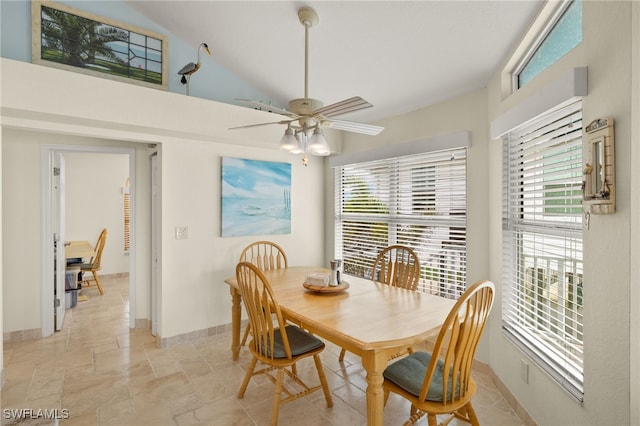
[(440, 382), (94, 264), (275, 343), (266, 255), (397, 266)]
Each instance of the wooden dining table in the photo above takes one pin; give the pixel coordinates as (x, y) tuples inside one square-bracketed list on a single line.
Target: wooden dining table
[(368, 319), (78, 249)]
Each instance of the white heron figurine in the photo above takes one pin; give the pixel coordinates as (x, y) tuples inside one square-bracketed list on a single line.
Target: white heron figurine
[(191, 68)]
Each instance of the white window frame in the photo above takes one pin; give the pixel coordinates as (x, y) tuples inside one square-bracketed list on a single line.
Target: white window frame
[(446, 255), (531, 319), (546, 28)]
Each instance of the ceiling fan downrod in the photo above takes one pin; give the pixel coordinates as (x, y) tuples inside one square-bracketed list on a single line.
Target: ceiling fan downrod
[(305, 106), (308, 18)]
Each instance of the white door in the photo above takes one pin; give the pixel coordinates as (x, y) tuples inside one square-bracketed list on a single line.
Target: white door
[(58, 227)]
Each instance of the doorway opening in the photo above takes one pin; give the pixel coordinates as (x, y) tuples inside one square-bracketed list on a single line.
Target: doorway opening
[(73, 213)]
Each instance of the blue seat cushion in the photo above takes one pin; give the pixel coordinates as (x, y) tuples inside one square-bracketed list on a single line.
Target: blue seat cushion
[(300, 342), (409, 372)]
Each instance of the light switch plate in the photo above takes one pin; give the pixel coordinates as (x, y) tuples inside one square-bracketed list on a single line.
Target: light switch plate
[(182, 232)]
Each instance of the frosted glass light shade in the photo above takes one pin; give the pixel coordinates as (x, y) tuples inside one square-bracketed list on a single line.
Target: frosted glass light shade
[(318, 144), (288, 141), (300, 142)]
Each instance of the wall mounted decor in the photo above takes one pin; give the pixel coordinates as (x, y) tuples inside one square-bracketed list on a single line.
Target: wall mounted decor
[(74, 40), (599, 185), (256, 197)]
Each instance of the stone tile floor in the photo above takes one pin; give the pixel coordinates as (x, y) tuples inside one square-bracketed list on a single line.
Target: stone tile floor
[(97, 371)]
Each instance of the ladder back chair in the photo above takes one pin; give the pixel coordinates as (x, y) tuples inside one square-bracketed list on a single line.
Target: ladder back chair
[(275, 343), (397, 266), (266, 255), (94, 264), (440, 382)]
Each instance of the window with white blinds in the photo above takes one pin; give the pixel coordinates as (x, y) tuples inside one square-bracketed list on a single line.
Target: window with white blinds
[(542, 231), (418, 201)]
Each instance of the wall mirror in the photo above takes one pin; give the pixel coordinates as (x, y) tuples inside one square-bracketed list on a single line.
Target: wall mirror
[(599, 167)]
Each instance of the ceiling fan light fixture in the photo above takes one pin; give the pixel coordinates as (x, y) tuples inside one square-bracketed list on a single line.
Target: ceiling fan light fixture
[(288, 141), (306, 115), (300, 144), (318, 144)]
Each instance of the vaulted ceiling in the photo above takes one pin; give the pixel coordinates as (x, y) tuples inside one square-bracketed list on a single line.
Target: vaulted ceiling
[(398, 55)]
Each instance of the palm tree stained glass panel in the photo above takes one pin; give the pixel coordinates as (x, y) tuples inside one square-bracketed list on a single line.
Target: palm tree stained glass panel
[(76, 40)]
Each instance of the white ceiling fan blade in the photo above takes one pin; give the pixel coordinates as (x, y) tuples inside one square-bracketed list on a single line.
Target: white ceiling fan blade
[(262, 124), (269, 108), (350, 126), (348, 105)]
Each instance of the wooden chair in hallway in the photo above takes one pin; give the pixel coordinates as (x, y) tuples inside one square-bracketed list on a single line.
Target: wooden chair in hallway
[(94, 264), (440, 382), (275, 343), (266, 255), (397, 266)]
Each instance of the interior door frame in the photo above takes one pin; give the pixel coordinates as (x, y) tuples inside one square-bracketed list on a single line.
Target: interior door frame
[(58, 223), (47, 255), (155, 232)]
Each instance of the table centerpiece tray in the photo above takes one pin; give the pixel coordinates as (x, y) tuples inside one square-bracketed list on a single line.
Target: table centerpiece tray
[(326, 289)]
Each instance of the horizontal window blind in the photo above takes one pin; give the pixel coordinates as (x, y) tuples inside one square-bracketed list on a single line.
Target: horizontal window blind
[(127, 215), (418, 201), (127, 222), (542, 221)]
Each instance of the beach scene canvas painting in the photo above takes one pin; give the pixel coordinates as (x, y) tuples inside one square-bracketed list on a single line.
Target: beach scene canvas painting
[(256, 197)]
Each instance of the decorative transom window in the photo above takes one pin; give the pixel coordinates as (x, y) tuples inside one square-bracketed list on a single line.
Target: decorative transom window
[(542, 307), (563, 33), (418, 201), (74, 40)]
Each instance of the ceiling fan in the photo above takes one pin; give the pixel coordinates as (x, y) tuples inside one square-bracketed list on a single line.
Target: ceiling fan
[(307, 115)]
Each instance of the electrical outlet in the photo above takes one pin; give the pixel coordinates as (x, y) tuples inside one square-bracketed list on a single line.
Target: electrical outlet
[(182, 232), (524, 371)]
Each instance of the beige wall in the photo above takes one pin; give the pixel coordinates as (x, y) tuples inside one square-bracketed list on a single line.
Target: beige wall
[(606, 50), (21, 234), (634, 299), (191, 136), (193, 270), (94, 200), (2, 377)]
